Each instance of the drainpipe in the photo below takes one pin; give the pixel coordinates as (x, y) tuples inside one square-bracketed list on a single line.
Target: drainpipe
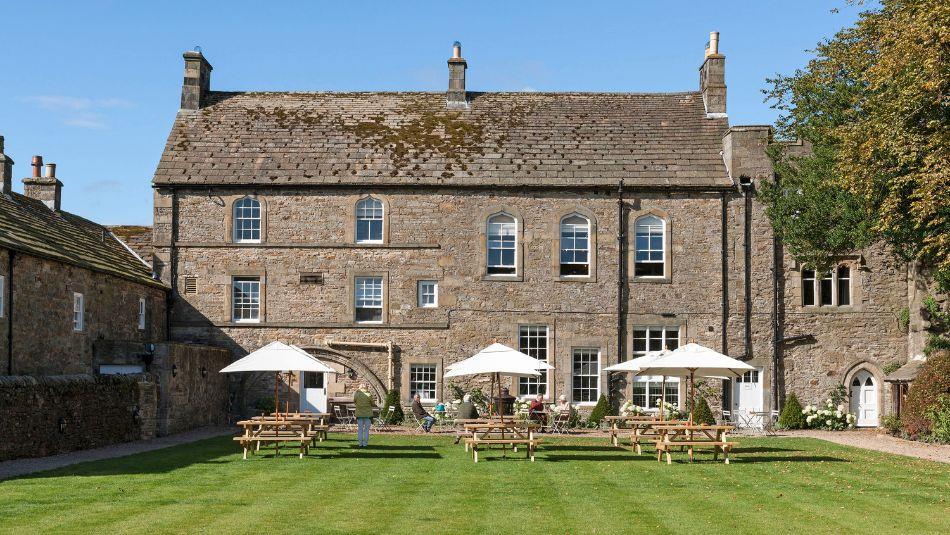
[(172, 271), (726, 398), (9, 311), (746, 183), (621, 280)]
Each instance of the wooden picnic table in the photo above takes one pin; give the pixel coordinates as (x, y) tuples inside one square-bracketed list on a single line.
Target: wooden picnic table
[(617, 422), (642, 430), (304, 429), (691, 436), (502, 433)]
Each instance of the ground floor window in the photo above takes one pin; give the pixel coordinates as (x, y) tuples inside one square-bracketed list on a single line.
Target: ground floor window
[(422, 381), (648, 390), (533, 341), (586, 375)]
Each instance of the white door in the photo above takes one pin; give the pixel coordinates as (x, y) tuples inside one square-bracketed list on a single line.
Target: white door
[(864, 399), (313, 392), (747, 397)]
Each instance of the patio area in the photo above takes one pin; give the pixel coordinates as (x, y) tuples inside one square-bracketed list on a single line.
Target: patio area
[(407, 483)]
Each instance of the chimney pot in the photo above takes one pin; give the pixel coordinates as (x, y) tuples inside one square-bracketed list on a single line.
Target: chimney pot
[(37, 164), (713, 47), (51, 170), (712, 79), (457, 50)]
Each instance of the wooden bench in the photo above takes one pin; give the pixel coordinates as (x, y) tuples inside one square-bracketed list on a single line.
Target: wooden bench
[(532, 445), (665, 447), (316, 433), (253, 442)]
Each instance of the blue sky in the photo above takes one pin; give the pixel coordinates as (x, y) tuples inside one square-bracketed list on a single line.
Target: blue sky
[(94, 86)]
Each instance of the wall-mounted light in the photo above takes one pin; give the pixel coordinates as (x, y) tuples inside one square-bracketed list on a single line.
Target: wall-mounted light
[(204, 371), (174, 370), (62, 424), (136, 417)]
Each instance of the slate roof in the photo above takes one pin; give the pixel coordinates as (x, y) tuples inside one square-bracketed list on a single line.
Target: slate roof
[(28, 226), (548, 139), (906, 373), (137, 237)]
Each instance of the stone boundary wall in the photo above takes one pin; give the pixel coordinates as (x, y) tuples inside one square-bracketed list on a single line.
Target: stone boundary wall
[(58, 414)]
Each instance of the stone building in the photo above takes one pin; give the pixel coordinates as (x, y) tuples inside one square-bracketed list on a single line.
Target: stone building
[(66, 283), (395, 233)]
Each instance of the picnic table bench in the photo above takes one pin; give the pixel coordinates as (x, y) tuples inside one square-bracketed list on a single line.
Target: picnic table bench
[(502, 433), (644, 430), (617, 425), (301, 428), (693, 436)]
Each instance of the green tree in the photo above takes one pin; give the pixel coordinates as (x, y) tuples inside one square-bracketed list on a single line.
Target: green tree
[(599, 411), (392, 400), (791, 416), (874, 103), (703, 414)]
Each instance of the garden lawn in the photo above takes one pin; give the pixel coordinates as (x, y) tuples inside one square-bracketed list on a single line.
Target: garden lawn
[(425, 484)]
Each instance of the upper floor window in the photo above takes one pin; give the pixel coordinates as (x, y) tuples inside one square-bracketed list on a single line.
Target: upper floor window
[(142, 308), (79, 311), (502, 244), (575, 246), (369, 221), (247, 221), (831, 289), (650, 253), (368, 299), (246, 299)]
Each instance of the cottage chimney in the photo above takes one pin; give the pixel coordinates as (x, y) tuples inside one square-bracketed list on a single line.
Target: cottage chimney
[(712, 79), (48, 188), (455, 98), (197, 81), (6, 170)]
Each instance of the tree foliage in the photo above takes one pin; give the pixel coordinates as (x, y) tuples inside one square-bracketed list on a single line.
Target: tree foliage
[(932, 381), (703, 414), (791, 416), (875, 104)]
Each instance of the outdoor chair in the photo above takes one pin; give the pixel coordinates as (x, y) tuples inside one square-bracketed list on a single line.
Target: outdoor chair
[(342, 418), (560, 422), (384, 419), (414, 423)]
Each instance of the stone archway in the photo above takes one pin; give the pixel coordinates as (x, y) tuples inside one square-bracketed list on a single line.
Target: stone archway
[(331, 355)]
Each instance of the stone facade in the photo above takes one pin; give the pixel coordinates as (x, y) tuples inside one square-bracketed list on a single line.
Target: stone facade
[(727, 283)]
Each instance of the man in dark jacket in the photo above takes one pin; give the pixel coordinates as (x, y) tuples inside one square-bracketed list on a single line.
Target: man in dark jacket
[(420, 413)]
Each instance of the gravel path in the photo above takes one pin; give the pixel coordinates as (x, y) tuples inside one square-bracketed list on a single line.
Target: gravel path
[(873, 440), (19, 467)]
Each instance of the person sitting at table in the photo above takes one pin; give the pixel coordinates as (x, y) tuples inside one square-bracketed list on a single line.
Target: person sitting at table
[(420, 413), (467, 410), (536, 410), (364, 414), (562, 404)]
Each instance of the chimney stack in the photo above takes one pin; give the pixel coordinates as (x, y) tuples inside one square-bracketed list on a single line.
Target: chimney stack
[(47, 189), (456, 98), (712, 79), (6, 170), (197, 81)]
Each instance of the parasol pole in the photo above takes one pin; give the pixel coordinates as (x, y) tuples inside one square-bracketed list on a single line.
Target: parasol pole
[(501, 404), (662, 397), (692, 395)]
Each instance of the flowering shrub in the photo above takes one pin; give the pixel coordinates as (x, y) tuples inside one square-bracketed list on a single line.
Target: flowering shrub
[(629, 409), (670, 411), (830, 417), (520, 407)]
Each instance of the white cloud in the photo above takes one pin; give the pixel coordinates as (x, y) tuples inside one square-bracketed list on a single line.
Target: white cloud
[(80, 112)]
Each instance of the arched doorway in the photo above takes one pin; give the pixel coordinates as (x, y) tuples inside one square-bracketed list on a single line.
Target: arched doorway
[(864, 392)]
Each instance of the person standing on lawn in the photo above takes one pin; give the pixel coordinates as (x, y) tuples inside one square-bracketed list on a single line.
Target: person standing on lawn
[(364, 414)]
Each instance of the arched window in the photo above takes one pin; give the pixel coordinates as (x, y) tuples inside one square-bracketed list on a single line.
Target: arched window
[(650, 255), (502, 244), (575, 246), (369, 221), (247, 221)]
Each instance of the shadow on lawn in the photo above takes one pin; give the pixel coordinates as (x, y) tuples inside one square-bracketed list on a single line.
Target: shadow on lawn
[(790, 459), (578, 447)]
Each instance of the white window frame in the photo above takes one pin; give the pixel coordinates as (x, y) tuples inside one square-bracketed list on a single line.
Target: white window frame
[(246, 221), (501, 236), (142, 311), (569, 235), (79, 312), (835, 279), (374, 301), (650, 383), (246, 301), (585, 351), (370, 210), (423, 294), (650, 229), (424, 374), (532, 386), (672, 383)]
